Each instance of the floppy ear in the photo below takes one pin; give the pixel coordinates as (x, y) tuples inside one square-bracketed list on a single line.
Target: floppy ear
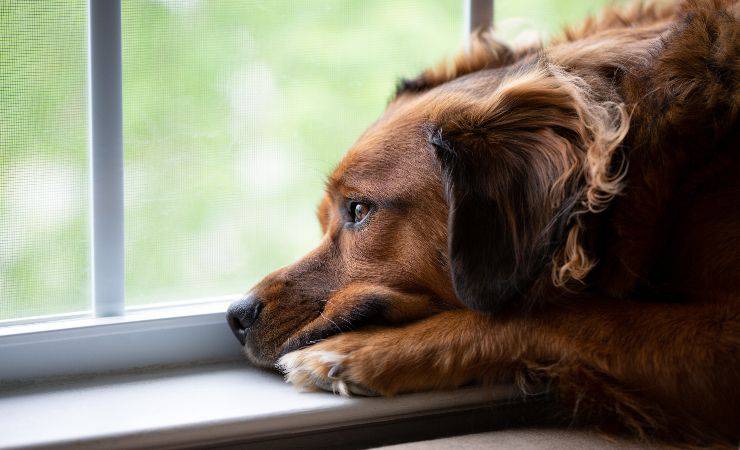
[(519, 166)]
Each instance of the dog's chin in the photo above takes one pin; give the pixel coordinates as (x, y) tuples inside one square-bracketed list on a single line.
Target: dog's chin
[(258, 356), (262, 356), (266, 356), (369, 316)]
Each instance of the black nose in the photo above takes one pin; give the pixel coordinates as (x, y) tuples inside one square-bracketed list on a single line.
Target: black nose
[(242, 314)]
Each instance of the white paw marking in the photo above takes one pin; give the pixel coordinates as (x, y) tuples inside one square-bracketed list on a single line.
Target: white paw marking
[(308, 370), (312, 370)]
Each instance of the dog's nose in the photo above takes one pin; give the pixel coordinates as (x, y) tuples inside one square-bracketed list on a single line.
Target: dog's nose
[(242, 314)]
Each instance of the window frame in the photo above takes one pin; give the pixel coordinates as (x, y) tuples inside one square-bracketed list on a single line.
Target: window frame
[(111, 336), (105, 69)]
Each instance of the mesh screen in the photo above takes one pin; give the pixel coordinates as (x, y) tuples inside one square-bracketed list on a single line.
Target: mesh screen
[(524, 20), (44, 262), (234, 111)]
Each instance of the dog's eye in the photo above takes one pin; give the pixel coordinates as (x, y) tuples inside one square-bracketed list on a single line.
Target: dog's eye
[(358, 211)]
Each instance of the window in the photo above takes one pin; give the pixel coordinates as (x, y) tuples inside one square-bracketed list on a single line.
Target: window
[(233, 112), (44, 175), (159, 154)]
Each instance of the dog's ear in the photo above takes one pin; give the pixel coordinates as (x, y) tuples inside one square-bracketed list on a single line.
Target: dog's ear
[(519, 166)]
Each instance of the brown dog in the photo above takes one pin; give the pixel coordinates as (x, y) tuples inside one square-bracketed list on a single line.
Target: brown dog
[(568, 213)]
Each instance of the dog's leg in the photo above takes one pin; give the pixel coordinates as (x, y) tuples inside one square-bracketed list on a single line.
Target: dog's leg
[(620, 358)]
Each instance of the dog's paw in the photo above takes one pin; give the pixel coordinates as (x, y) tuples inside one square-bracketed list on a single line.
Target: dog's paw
[(316, 368)]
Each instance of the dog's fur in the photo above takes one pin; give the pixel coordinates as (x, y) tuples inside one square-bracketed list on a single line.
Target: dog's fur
[(566, 213)]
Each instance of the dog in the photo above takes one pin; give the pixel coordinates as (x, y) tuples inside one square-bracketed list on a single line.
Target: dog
[(565, 213)]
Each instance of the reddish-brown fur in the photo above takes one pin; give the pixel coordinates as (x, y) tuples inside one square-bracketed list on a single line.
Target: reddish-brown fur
[(567, 213)]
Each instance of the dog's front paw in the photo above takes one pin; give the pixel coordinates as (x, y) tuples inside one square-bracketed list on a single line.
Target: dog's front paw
[(325, 367)]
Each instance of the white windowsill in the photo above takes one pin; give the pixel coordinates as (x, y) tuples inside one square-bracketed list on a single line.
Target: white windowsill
[(201, 405), (151, 312), (143, 337)]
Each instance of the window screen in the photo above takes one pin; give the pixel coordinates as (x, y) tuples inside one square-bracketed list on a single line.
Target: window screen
[(524, 19), (44, 223), (234, 112)]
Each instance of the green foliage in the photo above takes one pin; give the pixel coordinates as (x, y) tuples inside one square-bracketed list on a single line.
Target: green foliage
[(234, 112)]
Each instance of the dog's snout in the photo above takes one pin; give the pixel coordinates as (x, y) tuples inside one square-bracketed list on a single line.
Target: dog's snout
[(242, 314)]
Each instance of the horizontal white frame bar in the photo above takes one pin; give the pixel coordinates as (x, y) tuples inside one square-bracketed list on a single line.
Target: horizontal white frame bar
[(41, 319), (93, 345), (136, 314), (14, 326), (106, 156)]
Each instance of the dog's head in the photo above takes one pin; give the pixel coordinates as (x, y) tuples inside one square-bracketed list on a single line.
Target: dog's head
[(465, 192), (383, 255)]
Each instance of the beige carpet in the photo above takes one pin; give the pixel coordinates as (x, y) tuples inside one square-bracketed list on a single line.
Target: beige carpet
[(525, 439)]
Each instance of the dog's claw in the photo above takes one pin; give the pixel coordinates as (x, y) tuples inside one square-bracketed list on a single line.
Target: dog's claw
[(312, 370), (335, 371)]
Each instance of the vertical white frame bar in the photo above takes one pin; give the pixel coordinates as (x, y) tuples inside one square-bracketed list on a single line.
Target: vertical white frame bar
[(106, 156), (478, 15)]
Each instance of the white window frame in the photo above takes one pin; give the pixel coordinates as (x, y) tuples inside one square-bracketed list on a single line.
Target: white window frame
[(106, 156), (114, 337)]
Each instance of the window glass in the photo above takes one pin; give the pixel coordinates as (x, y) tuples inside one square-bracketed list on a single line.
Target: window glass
[(235, 111), (44, 220)]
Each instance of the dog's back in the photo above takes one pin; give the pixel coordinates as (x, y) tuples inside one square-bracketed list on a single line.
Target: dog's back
[(675, 227)]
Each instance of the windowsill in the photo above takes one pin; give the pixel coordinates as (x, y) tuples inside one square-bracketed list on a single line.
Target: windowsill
[(146, 313), (202, 405), (174, 334)]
